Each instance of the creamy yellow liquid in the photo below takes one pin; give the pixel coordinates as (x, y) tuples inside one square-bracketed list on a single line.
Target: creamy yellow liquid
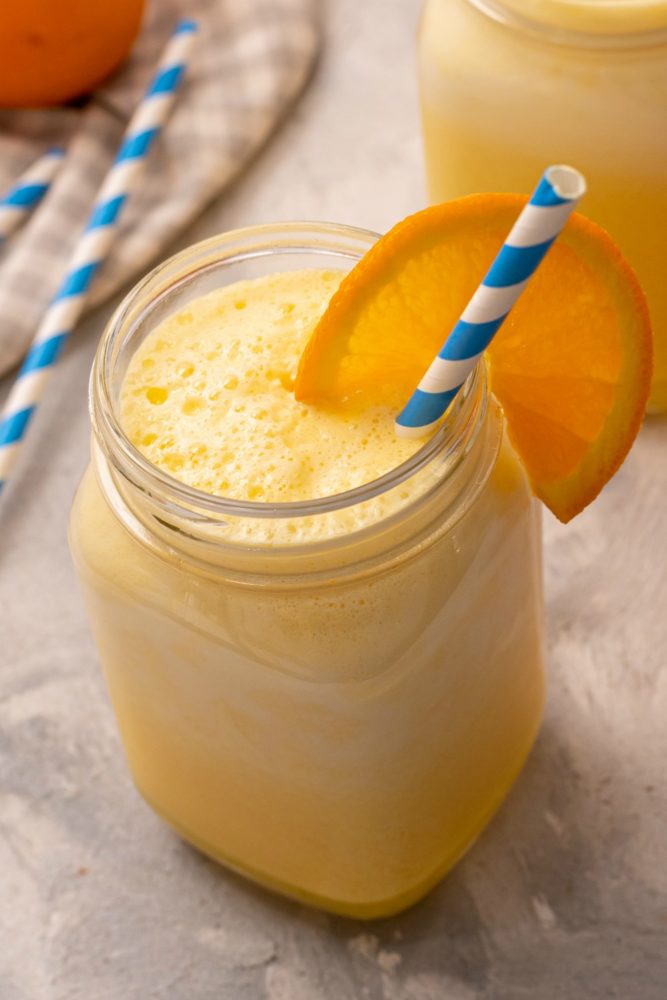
[(340, 734), (499, 103)]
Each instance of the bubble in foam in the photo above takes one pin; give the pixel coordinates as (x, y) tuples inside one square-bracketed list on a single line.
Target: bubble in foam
[(192, 405), (173, 462), (157, 395)]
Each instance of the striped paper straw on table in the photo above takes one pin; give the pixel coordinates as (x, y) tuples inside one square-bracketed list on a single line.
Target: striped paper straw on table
[(17, 204), (538, 225), (95, 242)]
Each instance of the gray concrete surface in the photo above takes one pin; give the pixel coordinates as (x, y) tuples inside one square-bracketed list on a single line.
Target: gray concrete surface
[(564, 896)]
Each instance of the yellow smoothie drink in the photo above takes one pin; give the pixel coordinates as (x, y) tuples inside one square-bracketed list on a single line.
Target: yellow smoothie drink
[(323, 644), (508, 86)]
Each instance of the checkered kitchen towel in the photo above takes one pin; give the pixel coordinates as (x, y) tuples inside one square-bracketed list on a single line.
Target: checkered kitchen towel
[(251, 59)]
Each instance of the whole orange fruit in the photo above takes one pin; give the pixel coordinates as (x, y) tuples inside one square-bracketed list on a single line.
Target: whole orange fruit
[(52, 51)]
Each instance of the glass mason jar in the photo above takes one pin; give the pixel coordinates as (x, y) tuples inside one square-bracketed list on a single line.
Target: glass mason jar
[(336, 714), (509, 86)]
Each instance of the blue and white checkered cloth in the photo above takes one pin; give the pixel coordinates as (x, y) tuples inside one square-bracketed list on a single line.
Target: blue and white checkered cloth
[(252, 59)]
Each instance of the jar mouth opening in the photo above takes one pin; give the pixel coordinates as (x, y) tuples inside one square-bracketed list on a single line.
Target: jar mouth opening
[(234, 246), (617, 24)]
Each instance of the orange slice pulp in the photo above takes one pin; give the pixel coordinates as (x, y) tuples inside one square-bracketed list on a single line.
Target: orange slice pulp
[(571, 365)]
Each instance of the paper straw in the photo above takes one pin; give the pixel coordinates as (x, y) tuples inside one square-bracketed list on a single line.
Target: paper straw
[(93, 246), (538, 225), (28, 191)]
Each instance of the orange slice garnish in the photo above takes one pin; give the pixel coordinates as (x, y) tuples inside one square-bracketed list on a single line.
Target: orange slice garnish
[(571, 366)]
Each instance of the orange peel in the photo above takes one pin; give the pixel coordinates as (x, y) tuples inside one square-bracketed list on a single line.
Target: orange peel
[(571, 366)]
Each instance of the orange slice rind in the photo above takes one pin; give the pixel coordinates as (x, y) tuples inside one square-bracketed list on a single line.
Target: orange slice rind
[(571, 366)]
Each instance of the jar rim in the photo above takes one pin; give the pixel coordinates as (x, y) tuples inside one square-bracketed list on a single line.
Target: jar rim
[(232, 246), (617, 24)]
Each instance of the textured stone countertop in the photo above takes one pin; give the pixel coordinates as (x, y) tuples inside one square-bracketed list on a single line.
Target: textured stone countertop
[(564, 895)]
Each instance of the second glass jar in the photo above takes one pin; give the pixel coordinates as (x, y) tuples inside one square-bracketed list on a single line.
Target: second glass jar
[(509, 86)]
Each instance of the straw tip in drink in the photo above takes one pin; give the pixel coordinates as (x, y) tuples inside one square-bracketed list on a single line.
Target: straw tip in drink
[(412, 433), (567, 182)]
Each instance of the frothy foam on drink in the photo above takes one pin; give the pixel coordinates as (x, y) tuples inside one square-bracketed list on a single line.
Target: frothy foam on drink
[(208, 398)]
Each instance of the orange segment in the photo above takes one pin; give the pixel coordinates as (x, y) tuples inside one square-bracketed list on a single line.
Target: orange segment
[(571, 366)]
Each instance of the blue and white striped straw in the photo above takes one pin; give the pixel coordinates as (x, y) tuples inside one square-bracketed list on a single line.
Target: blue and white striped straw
[(17, 204), (538, 225), (66, 307)]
